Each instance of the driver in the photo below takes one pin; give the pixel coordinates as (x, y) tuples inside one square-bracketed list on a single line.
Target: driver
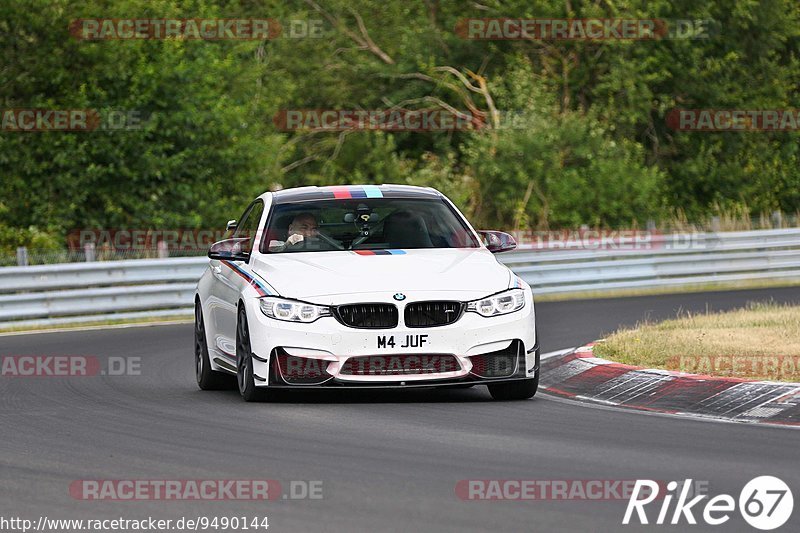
[(304, 226)]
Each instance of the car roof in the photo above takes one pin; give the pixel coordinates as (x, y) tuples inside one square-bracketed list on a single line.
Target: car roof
[(303, 194)]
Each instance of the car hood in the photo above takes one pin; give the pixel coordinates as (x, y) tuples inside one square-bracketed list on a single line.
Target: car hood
[(306, 275)]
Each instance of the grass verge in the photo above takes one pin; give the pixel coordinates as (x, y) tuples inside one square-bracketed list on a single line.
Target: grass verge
[(760, 341)]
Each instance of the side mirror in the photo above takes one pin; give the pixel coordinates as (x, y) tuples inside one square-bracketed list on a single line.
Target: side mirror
[(229, 250), (231, 225), (497, 241)]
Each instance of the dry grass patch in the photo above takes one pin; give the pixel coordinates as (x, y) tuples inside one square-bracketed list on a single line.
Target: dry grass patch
[(760, 341)]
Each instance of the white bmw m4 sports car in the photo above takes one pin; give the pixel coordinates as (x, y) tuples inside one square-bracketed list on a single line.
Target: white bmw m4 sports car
[(363, 286)]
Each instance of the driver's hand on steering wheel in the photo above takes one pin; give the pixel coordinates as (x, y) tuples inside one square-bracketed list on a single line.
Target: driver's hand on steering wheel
[(294, 239)]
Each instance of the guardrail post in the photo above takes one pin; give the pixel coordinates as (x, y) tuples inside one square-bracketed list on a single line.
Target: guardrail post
[(22, 256), (163, 250), (88, 252)]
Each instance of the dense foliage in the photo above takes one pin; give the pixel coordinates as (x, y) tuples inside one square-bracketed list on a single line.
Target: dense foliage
[(589, 143)]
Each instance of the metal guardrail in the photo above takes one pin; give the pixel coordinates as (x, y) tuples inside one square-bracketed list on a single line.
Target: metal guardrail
[(666, 261), (78, 292)]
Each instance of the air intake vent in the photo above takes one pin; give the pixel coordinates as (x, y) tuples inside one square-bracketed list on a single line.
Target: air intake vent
[(301, 370), (431, 314), (499, 364), (368, 316), (399, 365)]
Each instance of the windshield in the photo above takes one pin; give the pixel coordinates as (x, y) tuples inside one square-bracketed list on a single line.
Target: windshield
[(365, 224)]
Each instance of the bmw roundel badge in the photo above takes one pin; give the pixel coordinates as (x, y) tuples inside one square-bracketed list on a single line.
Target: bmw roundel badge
[(399, 296)]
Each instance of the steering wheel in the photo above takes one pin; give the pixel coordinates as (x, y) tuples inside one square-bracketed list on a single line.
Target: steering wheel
[(299, 245), (330, 240)]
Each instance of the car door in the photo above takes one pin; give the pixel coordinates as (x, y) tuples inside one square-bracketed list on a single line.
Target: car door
[(231, 279)]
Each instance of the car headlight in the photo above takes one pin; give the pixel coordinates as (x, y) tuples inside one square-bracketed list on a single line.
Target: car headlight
[(498, 304), (291, 310)]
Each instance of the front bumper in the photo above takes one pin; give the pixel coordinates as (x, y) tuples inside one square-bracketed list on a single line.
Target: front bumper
[(327, 345), (279, 381)]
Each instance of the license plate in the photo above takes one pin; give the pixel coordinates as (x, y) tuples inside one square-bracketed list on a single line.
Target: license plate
[(389, 342)]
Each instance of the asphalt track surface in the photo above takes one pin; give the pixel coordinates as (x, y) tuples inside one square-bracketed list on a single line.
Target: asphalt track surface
[(388, 461)]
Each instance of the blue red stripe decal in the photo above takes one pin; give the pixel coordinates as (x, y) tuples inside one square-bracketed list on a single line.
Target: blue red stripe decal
[(341, 192), (260, 288), (356, 191), (372, 191), (380, 252), (303, 194)]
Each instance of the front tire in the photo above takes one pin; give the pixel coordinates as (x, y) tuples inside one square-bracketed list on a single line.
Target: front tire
[(244, 361), (207, 379), (516, 390)]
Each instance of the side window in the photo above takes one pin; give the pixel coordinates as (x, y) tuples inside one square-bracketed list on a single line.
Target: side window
[(248, 226)]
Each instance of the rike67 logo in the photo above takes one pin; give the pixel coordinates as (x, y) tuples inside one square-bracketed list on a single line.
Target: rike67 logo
[(765, 503)]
